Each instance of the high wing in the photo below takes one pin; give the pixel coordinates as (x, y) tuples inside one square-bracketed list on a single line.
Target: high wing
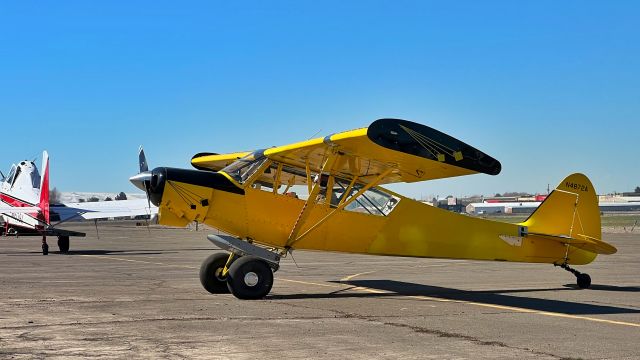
[(215, 162), (101, 209), (411, 151)]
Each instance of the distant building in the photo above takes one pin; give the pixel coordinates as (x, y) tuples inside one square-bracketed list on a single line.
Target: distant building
[(529, 207), (502, 208)]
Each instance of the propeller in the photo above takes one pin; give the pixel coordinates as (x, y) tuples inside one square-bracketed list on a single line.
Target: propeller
[(142, 180)]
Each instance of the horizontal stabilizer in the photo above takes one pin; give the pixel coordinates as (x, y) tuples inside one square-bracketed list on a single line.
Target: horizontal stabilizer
[(581, 241)]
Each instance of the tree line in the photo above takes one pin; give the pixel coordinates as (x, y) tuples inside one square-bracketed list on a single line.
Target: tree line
[(56, 198)]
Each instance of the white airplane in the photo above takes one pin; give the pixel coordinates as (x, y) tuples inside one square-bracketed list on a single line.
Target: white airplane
[(25, 208)]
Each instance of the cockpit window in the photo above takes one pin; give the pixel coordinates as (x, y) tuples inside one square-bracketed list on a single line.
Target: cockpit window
[(242, 169), (374, 201), (15, 176), (12, 174), (35, 178)]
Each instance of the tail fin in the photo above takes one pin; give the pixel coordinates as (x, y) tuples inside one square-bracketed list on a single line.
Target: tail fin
[(44, 188), (570, 214)]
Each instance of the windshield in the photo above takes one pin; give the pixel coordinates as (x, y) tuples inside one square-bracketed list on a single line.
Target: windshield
[(35, 177), (243, 168), (12, 173)]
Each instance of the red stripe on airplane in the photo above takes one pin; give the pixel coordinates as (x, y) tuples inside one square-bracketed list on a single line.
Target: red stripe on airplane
[(10, 200), (13, 201)]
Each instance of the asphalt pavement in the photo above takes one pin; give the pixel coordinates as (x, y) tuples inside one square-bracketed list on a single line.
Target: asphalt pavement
[(133, 291)]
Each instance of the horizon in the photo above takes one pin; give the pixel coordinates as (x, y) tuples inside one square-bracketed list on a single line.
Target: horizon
[(546, 88)]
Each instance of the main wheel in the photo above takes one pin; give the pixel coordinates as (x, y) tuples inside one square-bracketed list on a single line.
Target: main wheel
[(63, 244), (211, 273), (583, 280), (250, 278), (45, 249)]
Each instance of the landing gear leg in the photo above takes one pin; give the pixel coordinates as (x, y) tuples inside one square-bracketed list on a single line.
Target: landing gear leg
[(582, 279), (45, 246)]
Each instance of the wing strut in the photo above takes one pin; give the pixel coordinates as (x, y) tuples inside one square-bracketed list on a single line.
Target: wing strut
[(313, 196), (341, 206)]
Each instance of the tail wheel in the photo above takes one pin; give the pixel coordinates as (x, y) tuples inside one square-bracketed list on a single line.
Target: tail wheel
[(63, 244), (583, 280), (250, 278), (211, 273)]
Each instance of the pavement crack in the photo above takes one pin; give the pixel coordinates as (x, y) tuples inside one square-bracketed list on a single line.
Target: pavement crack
[(435, 332)]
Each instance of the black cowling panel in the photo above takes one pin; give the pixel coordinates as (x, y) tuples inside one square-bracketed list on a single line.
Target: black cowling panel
[(214, 180)]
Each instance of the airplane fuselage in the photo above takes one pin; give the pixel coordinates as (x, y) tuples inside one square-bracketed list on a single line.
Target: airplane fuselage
[(411, 229)]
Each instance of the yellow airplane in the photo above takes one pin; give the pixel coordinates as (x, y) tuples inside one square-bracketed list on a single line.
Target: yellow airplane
[(257, 197)]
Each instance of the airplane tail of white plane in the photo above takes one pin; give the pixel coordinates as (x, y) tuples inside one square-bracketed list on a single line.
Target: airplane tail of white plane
[(43, 204)]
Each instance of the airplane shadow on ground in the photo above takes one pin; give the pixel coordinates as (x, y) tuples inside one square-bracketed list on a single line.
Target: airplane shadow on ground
[(493, 297), (608, 288)]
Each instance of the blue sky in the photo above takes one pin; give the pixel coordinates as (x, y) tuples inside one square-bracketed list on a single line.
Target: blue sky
[(547, 87)]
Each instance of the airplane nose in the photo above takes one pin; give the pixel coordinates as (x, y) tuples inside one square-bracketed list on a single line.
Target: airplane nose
[(151, 182), (139, 180), (156, 185)]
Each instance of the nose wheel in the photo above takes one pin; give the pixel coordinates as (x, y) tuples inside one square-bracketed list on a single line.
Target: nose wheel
[(583, 280)]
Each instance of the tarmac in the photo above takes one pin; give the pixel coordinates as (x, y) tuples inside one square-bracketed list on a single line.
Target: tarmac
[(132, 291)]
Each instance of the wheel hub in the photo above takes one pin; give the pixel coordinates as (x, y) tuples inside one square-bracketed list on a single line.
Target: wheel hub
[(251, 279), (218, 274)]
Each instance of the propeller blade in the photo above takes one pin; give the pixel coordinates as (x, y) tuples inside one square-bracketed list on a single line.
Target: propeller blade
[(142, 160), (146, 191), (142, 180)]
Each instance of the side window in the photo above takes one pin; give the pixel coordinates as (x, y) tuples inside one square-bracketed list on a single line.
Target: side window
[(15, 177), (374, 201), (285, 179), (12, 174), (35, 179)]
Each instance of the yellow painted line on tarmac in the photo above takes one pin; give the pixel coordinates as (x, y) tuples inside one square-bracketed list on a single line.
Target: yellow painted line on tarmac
[(356, 275), (105, 257), (501, 307), (309, 283)]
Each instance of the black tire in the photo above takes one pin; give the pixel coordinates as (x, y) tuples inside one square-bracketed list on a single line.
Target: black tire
[(211, 273), (583, 280), (63, 244), (250, 278), (45, 249)]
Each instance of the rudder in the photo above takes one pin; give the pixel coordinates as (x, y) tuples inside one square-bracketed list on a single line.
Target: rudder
[(571, 210)]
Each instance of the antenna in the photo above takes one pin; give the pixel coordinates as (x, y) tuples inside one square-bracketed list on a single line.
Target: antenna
[(314, 134)]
